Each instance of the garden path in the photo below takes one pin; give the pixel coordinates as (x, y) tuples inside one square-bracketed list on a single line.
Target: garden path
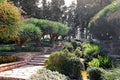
[(24, 72)]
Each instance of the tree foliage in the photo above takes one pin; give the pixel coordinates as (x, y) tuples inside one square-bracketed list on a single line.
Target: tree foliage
[(50, 27), (9, 20), (1, 1), (29, 32), (85, 10), (109, 8), (107, 17)]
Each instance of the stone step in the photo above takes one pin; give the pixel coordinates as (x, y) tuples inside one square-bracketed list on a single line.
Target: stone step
[(36, 64), (37, 61), (42, 56)]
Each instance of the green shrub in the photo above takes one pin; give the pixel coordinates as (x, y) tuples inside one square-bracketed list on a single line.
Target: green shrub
[(65, 63), (44, 74), (103, 61), (107, 62), (76, 44), (94, 63), (75, 67), (95, 73), (68, 45), (46, 40), (112, 74), (57, 61), (90, 49), (78, 52), (100, 74)]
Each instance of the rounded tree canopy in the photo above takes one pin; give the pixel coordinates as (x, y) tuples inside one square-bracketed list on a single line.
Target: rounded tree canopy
[(30, 31), (9, 20), (50, 27)]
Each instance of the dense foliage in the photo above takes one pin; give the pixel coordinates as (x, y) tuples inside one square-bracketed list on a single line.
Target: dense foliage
[(112, 74), (54, 29), (106, 17), (7, 59), (1, 1), (9, 20), (103, 61), (29, 32), (101, 74), (109, 8), (68, 46), (44, 74), (96, 73), (66, 63), (90, 49)]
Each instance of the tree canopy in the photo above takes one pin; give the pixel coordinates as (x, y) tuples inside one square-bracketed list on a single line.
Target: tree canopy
[(28, 32), (50, 27), (9, 20), (54, 29), (109, 8), (108, 18)]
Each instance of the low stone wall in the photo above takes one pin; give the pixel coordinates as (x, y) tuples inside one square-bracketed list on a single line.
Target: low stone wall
[(8, 66), (24, 57), (8, 78), (112, 46)]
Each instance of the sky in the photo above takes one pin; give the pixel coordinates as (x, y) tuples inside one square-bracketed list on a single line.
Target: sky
[(67, 2)]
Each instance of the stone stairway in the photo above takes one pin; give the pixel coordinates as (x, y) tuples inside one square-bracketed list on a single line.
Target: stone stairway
[(24, 72), (38, 60)]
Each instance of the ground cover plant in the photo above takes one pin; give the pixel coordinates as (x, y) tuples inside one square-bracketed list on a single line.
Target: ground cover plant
[(44, 74)]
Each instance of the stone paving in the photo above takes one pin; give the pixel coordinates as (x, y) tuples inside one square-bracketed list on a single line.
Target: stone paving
[(23, 72)]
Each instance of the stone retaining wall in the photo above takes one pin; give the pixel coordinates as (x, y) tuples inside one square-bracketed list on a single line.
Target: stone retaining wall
[(8, 78), (8, 66)]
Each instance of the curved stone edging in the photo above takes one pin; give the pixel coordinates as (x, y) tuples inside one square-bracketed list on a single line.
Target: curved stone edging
[(8, 66)]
